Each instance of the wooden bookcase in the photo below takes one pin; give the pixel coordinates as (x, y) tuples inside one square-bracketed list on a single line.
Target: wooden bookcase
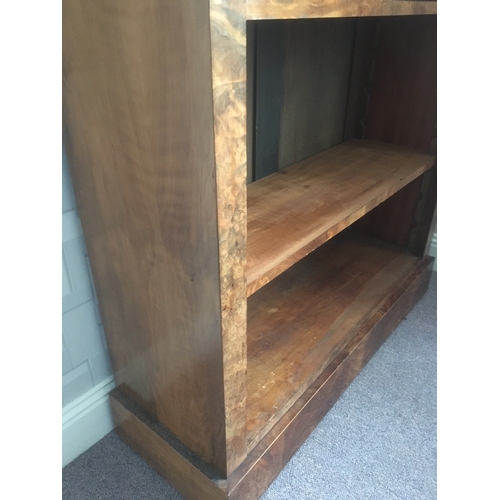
[(256, 187)]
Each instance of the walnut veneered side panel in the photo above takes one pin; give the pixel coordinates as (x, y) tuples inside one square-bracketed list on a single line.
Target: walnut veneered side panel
[(137, 102), (228, 44)]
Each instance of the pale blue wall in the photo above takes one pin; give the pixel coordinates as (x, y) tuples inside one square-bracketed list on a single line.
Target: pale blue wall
[(85, 359)]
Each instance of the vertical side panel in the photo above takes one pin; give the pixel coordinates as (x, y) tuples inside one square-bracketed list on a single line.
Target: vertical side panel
[(228, 43), (138, 126)]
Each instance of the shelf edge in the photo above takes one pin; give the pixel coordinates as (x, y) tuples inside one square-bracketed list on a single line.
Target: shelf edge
[(299, 9), (257, 278)]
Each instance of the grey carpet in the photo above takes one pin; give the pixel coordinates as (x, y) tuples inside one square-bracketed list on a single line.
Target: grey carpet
[(377, 443)]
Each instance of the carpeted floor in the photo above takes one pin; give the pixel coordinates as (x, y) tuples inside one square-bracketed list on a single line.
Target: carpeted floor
[(377, 443)]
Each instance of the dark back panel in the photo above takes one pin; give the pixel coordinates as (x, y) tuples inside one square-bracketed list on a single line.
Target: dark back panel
[(403, 96), (302, 82), (316, 82), (270, 52)]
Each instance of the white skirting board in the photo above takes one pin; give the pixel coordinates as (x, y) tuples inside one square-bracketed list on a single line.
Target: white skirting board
[(86, 420), (433, 250)]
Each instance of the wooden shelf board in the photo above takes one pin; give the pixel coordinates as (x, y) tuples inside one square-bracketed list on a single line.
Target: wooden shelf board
[(296, 9), (295, 210), (301, 321)]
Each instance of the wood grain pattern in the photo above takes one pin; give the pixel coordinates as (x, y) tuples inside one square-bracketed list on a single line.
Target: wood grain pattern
[(315, 86), (228, 46), (393, 219), (250, 480), (292, 212), (155, 123), (403, 110), (139, 137), (360, 76), (295, 9), (300, 321), (302, 80), (273, 452), (194, 481)]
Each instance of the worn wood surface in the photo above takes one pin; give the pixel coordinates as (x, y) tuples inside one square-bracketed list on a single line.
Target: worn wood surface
[(315, 85), (154, 108), (228, 46), (250, 480), (273, 452), (194, 480), (393, 219), (138, 121), (299, 322), (406, 218), (295, 9), (292, 212)]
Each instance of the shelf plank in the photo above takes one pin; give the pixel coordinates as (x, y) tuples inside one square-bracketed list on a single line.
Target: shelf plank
[(295, 210), (266, 460), (295, 9), (301, 321)]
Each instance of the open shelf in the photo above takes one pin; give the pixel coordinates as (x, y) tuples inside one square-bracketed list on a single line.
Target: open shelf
[(236, 314), (302, 320), (294, 211)]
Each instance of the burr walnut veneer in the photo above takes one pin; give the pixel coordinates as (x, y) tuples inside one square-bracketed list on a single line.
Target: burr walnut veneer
[(256, 187)]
